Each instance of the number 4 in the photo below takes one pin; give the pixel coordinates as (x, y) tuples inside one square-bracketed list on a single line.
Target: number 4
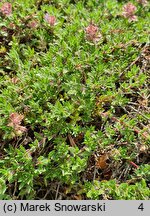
[(141, 207)]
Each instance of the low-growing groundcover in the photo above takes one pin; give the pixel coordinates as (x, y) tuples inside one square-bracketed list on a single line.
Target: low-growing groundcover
[(74, 99)]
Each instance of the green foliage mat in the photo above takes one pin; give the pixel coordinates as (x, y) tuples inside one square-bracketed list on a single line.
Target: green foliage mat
[(74, 99)]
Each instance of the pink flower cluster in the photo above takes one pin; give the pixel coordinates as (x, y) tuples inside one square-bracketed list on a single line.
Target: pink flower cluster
[(15, 122), (50, 19), (92, 33), (129, 11), (6, 9)]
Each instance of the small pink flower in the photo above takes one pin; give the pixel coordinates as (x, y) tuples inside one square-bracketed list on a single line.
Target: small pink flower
[(15, 122), (142, 2), (6, 9), (14, 80), (50, 19), (33, 24), (128, 11), (92, 33), (12, 25), (91, 30), (16, 118)]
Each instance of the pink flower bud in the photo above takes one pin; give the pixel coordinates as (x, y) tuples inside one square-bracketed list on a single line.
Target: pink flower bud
[(33, 24), (50, 19), (6, 9)]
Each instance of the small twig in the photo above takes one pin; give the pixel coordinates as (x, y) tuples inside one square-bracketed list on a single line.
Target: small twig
[(136, 104), (15, 189), (121, 174), (138, 112), (132, 63), (134, 180), (136, 60), (95, 170), (47, 192), (72, 142), (126, 125), (57, 191), (133, 103), (16, 145), (133, 164), (125, 173)]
